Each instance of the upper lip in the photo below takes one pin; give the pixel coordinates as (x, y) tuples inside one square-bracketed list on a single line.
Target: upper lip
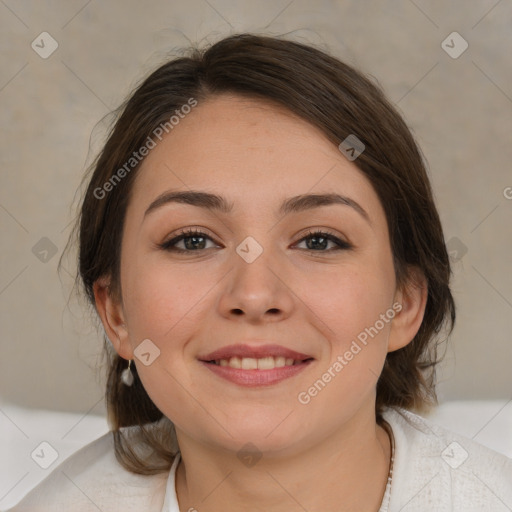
[(260, 351)]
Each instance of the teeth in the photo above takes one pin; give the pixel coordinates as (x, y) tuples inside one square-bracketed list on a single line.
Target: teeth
[(251, 363)]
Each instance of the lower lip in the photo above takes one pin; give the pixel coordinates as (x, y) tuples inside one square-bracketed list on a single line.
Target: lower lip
[(254, 378)]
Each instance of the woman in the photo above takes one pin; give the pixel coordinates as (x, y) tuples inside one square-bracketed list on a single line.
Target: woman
[(261, 244)]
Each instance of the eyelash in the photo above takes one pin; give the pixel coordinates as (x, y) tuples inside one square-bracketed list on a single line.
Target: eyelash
[(192, 232)]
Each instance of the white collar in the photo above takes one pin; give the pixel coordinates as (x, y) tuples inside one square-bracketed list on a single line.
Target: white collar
[(171, 499)]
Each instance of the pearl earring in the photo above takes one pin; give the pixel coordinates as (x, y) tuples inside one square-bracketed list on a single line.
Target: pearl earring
[(127, 375)]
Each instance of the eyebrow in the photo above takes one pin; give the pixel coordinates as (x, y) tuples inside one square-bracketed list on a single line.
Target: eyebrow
[(219, 203)]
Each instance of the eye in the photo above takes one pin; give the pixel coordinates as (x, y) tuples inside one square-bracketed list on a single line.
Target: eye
[(317, 241), (193, 240)]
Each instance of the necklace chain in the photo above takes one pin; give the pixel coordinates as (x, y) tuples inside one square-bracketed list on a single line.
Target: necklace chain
[(387, 493)]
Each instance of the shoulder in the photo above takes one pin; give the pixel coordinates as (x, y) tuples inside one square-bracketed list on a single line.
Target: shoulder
[(436, 467), (90, 480)]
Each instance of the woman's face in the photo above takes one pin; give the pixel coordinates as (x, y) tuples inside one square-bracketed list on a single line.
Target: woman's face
[(255, 276)]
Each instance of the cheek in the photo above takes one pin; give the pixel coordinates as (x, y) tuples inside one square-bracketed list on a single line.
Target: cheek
[(352, 299), (355, 304), (163, 301), (357, 342)]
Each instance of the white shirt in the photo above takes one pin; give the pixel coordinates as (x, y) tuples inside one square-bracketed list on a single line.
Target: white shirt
[(434, 470)]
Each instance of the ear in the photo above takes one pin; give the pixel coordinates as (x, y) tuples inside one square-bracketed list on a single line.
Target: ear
[(413, 299), (111, 313)]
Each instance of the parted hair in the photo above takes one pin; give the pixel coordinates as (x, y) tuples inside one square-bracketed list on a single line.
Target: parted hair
[(331, 95)]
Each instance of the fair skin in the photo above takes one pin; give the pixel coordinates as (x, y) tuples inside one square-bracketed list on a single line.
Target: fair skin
[(328, 454)]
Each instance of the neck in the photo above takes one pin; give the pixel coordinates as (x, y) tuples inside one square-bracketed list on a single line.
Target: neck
[(347, 470)]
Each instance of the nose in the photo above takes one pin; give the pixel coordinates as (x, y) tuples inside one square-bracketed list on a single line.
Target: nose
[(256, 291)]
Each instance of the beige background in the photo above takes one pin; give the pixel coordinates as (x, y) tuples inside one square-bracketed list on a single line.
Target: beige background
[(459, 109)]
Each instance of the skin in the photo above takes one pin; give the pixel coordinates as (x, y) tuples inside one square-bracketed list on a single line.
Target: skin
[(313, 301)]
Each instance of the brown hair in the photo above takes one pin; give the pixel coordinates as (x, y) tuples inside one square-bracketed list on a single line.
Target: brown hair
[(328, 94)]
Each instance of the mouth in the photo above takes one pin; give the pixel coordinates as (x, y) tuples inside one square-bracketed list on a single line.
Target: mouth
[(252, 363), (258, 352), (253, 377), (256, 366)]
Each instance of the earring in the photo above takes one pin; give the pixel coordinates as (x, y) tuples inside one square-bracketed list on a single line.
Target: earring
[(127, 375)]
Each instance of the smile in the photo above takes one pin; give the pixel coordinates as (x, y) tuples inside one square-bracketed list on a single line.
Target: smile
[(254, 372), (251, 363)]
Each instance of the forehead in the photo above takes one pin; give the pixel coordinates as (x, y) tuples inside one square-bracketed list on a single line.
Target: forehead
[(251, 151)]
